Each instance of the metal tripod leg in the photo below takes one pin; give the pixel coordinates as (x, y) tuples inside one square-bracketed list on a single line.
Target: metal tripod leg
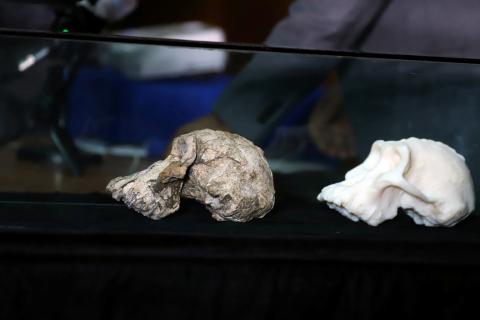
[(66, 146)]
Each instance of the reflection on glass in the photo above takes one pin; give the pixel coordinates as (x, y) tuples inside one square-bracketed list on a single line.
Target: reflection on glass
[(82, 113)]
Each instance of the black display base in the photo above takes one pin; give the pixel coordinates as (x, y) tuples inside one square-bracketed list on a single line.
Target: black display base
[(89, 257)]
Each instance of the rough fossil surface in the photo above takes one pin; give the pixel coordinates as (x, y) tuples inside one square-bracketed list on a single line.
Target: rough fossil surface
[(224, 171), (426, 178)]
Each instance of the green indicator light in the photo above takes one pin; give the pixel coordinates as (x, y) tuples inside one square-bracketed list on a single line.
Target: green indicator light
[(65, 30)]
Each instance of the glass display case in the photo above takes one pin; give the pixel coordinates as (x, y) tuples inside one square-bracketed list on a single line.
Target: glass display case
[(78, 110)]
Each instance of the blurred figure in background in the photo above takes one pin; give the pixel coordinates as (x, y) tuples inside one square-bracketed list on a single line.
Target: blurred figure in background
[(380, 98)]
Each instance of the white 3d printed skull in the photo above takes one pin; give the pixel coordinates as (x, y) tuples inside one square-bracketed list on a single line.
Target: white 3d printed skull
[(426, 178)]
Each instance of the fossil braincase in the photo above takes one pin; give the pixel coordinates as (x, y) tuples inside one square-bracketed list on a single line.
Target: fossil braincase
[(224, 171)]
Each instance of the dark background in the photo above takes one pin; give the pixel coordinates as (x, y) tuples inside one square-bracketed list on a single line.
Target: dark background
[(243, 21)]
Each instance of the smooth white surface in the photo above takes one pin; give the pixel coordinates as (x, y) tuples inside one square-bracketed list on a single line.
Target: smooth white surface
[(151, 62), (427, 178)]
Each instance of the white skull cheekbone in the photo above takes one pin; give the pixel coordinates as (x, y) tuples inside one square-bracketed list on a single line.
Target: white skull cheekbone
[(426, 178)]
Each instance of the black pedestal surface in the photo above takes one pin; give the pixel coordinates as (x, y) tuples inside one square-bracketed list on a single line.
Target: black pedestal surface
[(88, 257)]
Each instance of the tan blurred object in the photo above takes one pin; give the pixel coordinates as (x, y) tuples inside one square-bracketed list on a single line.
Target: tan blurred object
[(37, 176), (329, 126), (210, 121)]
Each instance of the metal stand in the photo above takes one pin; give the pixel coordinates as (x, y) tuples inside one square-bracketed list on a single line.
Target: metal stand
[(53, 106)]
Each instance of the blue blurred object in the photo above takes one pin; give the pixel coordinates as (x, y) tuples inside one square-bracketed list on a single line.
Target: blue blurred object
[(301, 113), (105, 105), (291, 141)]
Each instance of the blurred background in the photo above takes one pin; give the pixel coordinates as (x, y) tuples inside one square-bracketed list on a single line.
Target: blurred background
[(74, 114), (33, 161), (241, 21)]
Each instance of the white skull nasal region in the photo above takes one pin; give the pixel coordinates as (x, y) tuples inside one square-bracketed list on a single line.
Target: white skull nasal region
[(426, 178)]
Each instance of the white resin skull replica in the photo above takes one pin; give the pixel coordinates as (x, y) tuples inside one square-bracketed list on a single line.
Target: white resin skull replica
[(426, 178), (224, 171)]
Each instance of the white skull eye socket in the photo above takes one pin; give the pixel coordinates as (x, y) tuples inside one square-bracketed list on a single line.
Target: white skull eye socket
[(390, 159), (373, 158), (383, 158)]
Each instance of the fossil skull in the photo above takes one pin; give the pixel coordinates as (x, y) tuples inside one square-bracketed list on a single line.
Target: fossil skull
[(224, 171), (426, 178)]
